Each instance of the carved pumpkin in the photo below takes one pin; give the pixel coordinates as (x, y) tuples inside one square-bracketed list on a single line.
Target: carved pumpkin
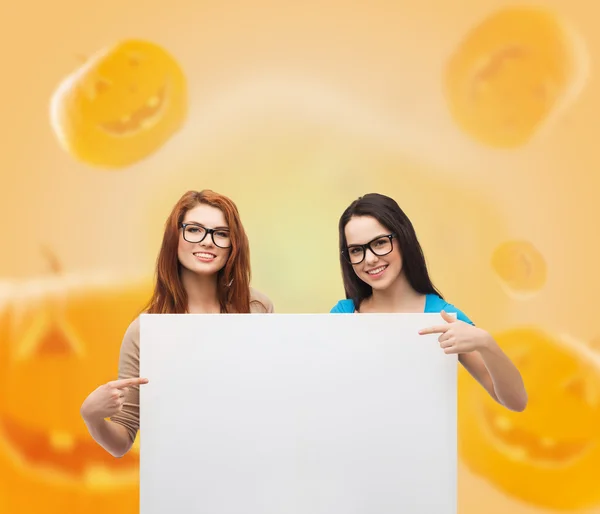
[(548, 455), (121, 105), (520, 267), (59, 340), (511, 72)]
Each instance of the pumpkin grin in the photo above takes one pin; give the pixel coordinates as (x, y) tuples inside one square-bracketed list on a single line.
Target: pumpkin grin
[(521, 444), (144, 117), (74, 458)]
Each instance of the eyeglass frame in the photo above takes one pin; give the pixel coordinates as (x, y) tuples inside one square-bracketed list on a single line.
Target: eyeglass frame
[(366, 246), (210, 231)]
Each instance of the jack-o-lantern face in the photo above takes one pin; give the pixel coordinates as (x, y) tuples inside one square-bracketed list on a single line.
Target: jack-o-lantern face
[(120, 106), (548, 455), (60, 339), (511, 72), (520, 267)]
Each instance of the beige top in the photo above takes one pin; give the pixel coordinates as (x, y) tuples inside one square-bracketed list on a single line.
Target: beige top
[(129, 365)]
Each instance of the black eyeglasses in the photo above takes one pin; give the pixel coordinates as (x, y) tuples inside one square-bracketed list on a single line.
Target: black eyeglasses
[(194, 233), (380, 246)]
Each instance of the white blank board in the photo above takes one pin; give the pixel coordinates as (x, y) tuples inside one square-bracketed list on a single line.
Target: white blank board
[(296, 414)]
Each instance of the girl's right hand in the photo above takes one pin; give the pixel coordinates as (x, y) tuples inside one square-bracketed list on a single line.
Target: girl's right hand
[(107, 400)]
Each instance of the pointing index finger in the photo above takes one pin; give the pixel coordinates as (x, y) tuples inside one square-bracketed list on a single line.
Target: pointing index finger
[(438, 329), (128, 382)]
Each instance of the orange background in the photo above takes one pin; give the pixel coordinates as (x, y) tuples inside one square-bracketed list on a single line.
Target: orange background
[(293, 110)]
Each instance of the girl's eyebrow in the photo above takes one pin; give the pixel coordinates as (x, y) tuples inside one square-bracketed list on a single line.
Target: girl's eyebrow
[(203, 226), (376, 237)]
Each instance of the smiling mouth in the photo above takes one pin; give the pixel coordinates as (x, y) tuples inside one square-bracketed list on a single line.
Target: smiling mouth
[(524, 445), (143, 118), (377, 271), (77, 459), (205, 256)]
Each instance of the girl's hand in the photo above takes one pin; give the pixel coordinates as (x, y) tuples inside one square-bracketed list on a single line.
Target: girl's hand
[(107, 400), (458, 336)]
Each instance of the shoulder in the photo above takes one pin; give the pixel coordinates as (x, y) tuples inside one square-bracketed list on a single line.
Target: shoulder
[(129, 356), (131, 339), (434, 303), (343, 307), (259, 302)]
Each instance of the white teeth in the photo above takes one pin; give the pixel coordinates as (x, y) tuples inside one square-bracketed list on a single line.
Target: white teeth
[(502, 423), (148, 123), (548, 442), (205, 255), (98, 475), (62, 441), (518, 453), (376, 270)]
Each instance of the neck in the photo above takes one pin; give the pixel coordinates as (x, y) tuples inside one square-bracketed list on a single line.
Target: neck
[(399, 297), (201, 292)]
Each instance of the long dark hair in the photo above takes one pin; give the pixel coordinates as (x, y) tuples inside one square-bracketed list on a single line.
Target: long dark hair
[(385, 210)]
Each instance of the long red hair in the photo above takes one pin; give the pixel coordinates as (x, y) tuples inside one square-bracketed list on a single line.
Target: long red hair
[(233, 286)]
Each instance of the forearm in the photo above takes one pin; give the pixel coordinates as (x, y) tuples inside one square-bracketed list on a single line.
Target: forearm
[(508, 383), (114, 438)]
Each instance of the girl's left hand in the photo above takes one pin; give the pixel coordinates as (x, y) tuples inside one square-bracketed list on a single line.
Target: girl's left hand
[(458, 336)]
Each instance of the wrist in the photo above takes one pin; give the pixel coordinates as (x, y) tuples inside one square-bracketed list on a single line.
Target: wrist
[(90, 418), (487, 345)]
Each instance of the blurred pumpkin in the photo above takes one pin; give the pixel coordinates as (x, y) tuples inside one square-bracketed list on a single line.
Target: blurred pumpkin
[(59, 339), (520, 267), (548, 455), (512, 72), (123, 104)]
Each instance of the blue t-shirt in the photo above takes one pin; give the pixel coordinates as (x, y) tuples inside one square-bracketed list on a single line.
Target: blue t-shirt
[(433, 303)]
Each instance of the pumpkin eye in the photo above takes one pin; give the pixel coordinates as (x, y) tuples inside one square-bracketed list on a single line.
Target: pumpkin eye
[(48, 339), (54, 343), (101, 86), (134, 60), (580, 388), (522, 358)]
